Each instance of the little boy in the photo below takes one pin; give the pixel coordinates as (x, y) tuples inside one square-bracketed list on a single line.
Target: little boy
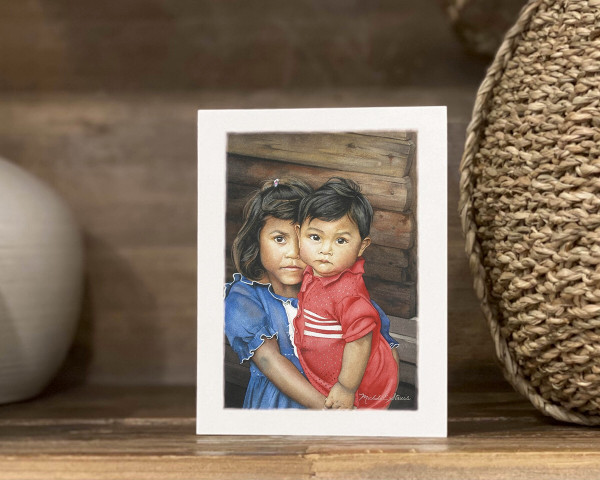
[(337, 329)]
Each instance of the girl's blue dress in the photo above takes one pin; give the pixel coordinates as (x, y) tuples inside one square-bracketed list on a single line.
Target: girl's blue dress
[(254, 313)]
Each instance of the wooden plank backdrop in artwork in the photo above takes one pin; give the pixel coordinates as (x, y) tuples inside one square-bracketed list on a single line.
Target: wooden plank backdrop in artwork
[(383, 164), (354, 153)]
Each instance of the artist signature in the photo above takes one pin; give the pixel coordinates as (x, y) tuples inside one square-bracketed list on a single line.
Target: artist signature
[(393, 398)]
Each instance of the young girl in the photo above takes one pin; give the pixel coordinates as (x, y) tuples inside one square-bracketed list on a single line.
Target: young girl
[(260, 303)]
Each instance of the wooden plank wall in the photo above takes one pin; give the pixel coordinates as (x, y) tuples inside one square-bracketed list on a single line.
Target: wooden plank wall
[(134, 45), (383, 164)]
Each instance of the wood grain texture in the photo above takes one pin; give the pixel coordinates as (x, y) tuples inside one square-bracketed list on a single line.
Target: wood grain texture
[(348, 152), (364, 466), (383, 192), (167, 46), (124, 432), (393, 229), (397, 299), (403, 326), (386, 263)]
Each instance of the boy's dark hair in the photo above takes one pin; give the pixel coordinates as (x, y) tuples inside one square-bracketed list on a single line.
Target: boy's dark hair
[(334, 199), (279, 199)]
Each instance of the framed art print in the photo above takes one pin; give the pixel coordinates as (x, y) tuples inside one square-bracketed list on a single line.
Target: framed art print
[(322, 272)]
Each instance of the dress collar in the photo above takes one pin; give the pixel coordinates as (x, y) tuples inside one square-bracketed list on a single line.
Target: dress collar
[(238, 277)]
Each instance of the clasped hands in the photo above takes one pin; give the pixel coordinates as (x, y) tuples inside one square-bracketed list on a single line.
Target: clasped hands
[(340, 397)]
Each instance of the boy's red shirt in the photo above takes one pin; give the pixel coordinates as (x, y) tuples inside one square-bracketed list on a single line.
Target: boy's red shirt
[(333, 311)]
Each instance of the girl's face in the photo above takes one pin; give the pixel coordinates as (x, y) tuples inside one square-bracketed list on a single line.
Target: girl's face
[(331, 247), (279, 255)]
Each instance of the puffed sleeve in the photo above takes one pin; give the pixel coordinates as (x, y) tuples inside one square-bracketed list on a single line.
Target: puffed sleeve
[(246, 321), (385, 326)]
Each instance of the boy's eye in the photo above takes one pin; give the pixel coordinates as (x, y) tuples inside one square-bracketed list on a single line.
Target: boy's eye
[(341, 241), (279, 239), (314, 237)]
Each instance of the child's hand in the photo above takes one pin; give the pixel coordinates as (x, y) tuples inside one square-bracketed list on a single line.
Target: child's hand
[(340, 397)]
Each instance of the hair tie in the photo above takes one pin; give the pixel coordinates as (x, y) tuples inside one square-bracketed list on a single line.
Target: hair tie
[(276, 182)]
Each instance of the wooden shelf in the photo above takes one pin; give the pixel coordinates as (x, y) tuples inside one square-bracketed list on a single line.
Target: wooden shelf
[(148, 432)]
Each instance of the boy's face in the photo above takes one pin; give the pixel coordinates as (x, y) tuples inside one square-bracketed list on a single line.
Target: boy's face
[(330, 247)]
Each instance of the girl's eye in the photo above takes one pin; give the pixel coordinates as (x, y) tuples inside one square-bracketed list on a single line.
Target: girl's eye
[(341, 241), (314, 237), (279, 239)]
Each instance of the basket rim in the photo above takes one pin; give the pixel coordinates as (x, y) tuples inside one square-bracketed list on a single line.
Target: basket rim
[(508, 363)]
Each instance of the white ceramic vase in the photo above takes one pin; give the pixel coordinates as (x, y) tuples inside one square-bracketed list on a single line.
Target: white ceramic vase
[(41, 281)]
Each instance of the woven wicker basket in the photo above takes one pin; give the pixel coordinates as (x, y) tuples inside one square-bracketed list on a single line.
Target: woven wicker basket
[(530, 206)]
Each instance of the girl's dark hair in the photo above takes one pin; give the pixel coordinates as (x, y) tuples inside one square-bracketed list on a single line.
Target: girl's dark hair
[(279, 199), (334, 199)]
